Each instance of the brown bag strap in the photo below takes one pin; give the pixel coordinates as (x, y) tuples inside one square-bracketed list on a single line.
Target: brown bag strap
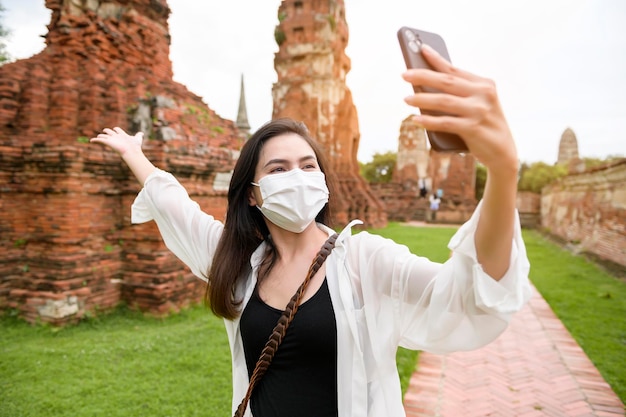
[(283, 323)]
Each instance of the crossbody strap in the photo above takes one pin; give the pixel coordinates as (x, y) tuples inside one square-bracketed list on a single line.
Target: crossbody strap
[(278, 334)]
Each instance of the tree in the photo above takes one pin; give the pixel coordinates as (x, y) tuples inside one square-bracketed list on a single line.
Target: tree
[(537, 175), (380, 168), (4, 34), (595, 162), (481, 180)]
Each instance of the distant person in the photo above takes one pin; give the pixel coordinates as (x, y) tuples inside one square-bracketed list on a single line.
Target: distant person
[(336, 355), (435, 201), (422, 186)]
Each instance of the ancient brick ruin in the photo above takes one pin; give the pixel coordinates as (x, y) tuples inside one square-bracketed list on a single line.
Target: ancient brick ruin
[(568, 147), (418, 167), (312, 65), (67, 243), (588, 211), (529, 208)]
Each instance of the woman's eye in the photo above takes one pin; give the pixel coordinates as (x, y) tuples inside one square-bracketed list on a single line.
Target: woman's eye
[(310, 166), (277, 169)]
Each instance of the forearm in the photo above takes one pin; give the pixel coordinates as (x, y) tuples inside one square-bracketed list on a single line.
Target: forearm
[(138, 164), (494, 234)]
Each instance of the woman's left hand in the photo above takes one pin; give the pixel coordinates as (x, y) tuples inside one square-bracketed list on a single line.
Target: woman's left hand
[(476, 114)]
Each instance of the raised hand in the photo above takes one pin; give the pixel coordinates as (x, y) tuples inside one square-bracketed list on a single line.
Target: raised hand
[(118, 140), (476, 112), (476, 116), (129, 148)]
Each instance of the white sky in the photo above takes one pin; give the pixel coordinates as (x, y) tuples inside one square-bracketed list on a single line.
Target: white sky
[(557, 63)]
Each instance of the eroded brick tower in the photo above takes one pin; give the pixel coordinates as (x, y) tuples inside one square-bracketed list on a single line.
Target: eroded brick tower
[(312, 65), (65, 236)]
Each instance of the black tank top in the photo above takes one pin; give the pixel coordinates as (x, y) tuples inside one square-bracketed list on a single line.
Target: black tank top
[(302, 378)]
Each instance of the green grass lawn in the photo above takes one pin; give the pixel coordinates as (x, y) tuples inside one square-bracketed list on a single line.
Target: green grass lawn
[(125, 364)]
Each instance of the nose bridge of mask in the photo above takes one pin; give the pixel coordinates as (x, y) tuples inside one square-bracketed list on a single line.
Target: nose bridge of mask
[(273, 183)]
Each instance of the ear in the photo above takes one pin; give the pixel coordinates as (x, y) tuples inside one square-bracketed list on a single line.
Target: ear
[(252, 200)]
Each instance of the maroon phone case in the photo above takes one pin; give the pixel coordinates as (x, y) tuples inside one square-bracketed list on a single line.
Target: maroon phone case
[(410, 43)]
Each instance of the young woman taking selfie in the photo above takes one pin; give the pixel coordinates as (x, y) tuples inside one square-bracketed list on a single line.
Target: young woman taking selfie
[(314, 318)]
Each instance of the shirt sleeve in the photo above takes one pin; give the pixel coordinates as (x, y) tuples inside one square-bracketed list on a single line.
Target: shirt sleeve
[(441, 307), (187, 231)]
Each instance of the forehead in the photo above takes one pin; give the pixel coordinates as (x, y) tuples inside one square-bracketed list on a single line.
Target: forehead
[(288, 146)]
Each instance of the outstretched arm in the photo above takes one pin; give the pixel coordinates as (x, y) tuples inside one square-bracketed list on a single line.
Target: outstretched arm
[(478, 118), (129, 148)]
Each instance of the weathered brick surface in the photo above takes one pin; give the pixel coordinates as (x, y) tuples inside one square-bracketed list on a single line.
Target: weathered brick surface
[(568, 147), (312, 65), (529, 208), (588, 211), (402, 202), (65, 204), (454, 174)]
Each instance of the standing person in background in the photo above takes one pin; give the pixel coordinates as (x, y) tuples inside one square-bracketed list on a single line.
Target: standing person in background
[(371, 295), (435, 201)]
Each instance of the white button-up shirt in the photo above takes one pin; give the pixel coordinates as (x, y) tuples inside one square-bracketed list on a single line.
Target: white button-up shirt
[(383, 296)]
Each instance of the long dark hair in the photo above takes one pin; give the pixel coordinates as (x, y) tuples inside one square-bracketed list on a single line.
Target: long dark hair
[(244, 227)]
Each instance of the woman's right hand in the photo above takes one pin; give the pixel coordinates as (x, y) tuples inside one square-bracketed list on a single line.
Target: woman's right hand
[(129, 148), (118, 140)]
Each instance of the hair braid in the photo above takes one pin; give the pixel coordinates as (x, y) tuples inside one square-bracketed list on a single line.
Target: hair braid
[(268, 352)]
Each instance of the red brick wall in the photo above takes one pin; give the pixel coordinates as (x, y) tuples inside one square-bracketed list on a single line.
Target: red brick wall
[(529, 208), (588, 211), (65, 234)]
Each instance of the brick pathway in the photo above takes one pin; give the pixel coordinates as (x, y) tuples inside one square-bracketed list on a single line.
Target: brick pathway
[(534, 369)]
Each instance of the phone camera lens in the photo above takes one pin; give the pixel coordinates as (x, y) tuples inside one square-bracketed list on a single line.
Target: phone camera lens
[(409, 35), (415, 45)]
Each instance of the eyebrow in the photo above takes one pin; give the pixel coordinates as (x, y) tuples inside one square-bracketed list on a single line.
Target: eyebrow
[(283, 161)]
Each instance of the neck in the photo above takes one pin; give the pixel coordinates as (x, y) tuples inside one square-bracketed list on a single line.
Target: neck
[(292, 246)]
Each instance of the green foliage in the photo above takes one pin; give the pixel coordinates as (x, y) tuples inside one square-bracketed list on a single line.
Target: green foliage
[(481, 180), (82, 139), (595, 162), (282, 16), (19, 243), (4, 34), (380, 168), (279, 36), (537, 175), (332, 22)]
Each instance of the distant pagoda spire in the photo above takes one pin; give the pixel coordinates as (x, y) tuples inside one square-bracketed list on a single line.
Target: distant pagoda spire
[(568, 147), (242, 113)]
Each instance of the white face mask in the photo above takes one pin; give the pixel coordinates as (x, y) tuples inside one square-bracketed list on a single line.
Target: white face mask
[(292, 199)]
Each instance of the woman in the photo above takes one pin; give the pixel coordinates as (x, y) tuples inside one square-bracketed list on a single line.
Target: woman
[(371, 295)]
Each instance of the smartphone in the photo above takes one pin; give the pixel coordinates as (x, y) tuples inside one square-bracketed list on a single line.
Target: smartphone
[(411, 41)]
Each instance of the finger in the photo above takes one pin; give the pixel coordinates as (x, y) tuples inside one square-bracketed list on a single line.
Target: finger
[(119, 130), (439, 63), (447, 83), (445, 103), (107, 131), (443, 123)]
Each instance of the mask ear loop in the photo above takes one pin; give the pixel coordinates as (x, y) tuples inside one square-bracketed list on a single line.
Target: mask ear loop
[(256, 185)]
